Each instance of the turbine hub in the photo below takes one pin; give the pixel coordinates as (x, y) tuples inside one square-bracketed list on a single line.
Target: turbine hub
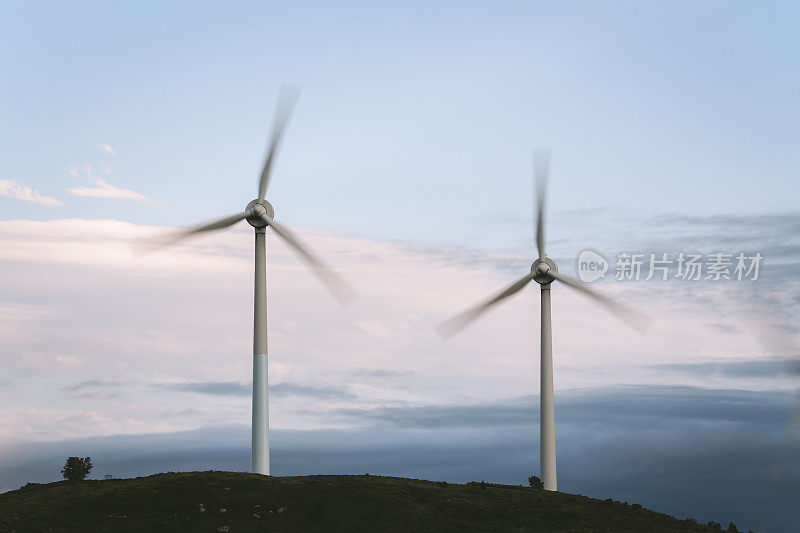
[(543, 270), (255, 209)]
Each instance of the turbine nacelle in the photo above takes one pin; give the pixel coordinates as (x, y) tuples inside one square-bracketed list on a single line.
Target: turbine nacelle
[(543, 269), (255, 210)]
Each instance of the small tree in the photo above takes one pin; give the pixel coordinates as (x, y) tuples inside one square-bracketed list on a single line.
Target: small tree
[(76, 469), (536, 483)]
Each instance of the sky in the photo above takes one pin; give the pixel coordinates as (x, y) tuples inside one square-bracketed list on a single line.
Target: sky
[(406, 165)]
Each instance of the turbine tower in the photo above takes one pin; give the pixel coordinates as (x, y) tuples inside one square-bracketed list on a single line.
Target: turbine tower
[(543, 271), (260, 214)]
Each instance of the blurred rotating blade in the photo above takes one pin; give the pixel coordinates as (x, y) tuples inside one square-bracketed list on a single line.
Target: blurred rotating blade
[(457, 323), (340, 289), (541, 172), (633, 318), (151, 244), (283, 109)]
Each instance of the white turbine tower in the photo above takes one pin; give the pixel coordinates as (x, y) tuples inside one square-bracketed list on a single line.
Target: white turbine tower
[(259, 213), (543, 271)]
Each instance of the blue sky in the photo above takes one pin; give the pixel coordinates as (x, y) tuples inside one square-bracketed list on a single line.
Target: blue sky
[(407, 164), (414, 117)]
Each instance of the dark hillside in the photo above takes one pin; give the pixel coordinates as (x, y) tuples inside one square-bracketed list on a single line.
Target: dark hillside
[(231, 501)]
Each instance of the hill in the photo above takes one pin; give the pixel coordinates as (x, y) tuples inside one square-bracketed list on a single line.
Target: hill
[(232, 501)]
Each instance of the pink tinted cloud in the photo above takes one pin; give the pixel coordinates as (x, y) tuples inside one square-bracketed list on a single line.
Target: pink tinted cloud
[(103, 189), (12, 189), (93, 312)]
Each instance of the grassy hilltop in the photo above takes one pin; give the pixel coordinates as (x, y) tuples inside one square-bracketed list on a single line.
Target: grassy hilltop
[(233, 501)]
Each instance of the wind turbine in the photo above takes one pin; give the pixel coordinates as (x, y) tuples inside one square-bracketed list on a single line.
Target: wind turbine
[(543, 271), (259, 213)]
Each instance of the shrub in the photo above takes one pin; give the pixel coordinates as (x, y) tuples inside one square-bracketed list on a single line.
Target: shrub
[(732, 527), (442, 483), (636, 506), (76, 469), (535, 482)]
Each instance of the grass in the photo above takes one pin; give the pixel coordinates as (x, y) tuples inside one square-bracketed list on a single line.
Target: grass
[(207, 501)]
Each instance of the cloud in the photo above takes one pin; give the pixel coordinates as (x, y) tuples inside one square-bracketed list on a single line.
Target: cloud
[(234, 388), (83, 385), (92, 389), (633, 406), (383, 373), (68, 360), (766, 368), (88, 310), (12, 189), (107, 148), (723, 328), (216, 388), (51, 424), (103, 189), (318, 392), (86, 169), (521, 411), (775, 236)]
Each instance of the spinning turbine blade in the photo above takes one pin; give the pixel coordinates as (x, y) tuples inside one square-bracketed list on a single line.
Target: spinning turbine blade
[(457, 323), (633, 318), (340, 289), (286, 102), (154, 243), (541, 170)]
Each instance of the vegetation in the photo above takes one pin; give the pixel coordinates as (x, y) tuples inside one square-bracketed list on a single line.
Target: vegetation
[(230, 501), (536, 483), (76, 469)]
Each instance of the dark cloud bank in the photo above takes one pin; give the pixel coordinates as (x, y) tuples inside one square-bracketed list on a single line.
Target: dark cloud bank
[(236, 388), (725, 455)]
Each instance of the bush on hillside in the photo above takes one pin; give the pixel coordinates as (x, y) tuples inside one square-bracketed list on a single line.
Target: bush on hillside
[(535, 482), (76, 469)]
